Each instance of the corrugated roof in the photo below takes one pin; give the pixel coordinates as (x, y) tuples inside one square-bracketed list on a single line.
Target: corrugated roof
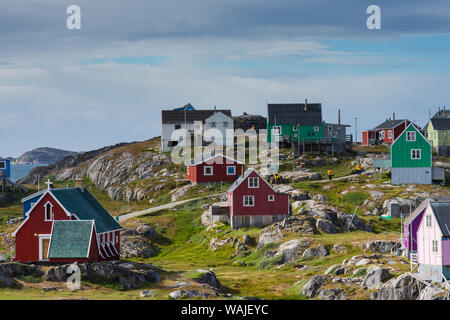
[(295, 113), (86, 207), (390, 124), (441, 124), (70, 239), (180, 116), (442, 213)]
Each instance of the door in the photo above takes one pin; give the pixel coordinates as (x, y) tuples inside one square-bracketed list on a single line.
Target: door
[(44, 248)]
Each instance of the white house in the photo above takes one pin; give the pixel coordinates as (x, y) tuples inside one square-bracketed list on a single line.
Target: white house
[(190, 120), (219, 128)]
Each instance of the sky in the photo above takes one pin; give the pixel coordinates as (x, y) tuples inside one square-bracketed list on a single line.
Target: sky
[(108, 82)]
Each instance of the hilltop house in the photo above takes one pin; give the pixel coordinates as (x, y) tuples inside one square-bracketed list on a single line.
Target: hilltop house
[(433, 240), (5, 168), (438, 132), (252, 202), (410, 159), (248, 121), (215, 169), (183, 118), (67, 225), (221, 125), (301, 125), (386, 132)]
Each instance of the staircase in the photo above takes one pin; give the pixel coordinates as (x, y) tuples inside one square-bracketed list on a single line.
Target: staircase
[(413, 261)]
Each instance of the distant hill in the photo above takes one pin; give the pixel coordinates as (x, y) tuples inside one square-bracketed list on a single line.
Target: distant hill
[(44, 156)]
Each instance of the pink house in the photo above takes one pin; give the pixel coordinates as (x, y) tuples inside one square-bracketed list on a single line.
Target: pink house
[(433, 241)]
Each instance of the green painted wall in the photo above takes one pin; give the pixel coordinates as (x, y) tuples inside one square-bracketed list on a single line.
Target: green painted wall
[(306, 131), (401, 151)]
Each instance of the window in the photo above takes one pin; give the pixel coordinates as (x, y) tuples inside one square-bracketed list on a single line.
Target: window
[(177, 126), (253, 182), (208, 171), (294, 128), (2, 164), (276, 131), (271, 197), (231, 170), (390, 134), (225, 124), (416, 154), (411, 136), (428, 221), (249, 201), (48, 211), (434, 245), (316, 128), (213, 124), (382, 134)]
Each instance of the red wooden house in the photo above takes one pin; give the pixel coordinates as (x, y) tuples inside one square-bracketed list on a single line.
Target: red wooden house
[(67, 225), (218, 168), (386, 132), (252, 202)]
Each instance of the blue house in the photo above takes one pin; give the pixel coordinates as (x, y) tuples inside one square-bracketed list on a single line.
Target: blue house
[(5, 166)]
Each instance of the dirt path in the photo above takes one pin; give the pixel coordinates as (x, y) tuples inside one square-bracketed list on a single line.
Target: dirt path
[(161, 207)]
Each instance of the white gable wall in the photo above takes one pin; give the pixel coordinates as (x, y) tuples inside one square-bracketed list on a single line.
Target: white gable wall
[(220, 122)]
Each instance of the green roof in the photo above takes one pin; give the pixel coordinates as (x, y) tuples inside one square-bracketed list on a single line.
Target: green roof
[(86, 207), (70, 239)]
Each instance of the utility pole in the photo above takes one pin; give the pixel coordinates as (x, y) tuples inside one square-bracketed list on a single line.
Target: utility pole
[(356, 130)]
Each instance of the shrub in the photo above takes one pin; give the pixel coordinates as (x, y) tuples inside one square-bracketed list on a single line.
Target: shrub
[(355, 198)]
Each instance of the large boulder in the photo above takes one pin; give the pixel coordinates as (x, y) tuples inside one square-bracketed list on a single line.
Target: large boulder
[(375, 277), (325, 226), (269, 237), (320, 251), (331, 294), (11, 270), (311, 288), (293, 249), (207, 219), (130, 275), (206, 277), (216, 243), (405, 287), (147, 231), (135, 247), (380, 246), (432, 293)]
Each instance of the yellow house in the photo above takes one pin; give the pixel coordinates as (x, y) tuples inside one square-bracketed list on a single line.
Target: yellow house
[(438, 133)]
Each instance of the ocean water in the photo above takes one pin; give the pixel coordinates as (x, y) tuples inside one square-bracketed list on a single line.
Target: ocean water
[(19, 171)]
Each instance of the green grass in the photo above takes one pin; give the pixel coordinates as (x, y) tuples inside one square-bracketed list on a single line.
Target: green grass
[(355, 198)]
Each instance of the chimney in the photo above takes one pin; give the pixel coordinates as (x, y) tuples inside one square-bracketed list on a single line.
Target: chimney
[(439, 111), (79, 183), (339, 116), (393, 116), (306, 104)]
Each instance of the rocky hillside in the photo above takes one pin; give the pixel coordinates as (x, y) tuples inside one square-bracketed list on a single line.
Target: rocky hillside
[(131, 171), (44, 156)]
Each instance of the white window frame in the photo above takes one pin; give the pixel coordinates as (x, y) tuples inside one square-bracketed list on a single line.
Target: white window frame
[(225, 124), (434, 246), (234, 171), (411, 136), (51, 211), (4, 164), (390, 134), (213, 124), (418, 153), (295, 128), (276, 130), (253, 185), (247, 203), (428, 220), (271, 198), (316, 129), (42, 237), (208, 167)]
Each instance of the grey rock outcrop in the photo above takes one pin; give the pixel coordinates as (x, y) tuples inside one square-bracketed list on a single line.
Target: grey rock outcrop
[(311, 288), (405, 287), (375, 276), (293, 249)]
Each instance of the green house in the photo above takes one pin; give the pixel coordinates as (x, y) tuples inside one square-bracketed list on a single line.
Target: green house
[(410, 158), (438, 133)]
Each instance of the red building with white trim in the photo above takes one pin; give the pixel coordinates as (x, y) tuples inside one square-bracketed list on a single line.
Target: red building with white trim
[(215, 169), (67, 225), (386, 132), (252, 202)]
